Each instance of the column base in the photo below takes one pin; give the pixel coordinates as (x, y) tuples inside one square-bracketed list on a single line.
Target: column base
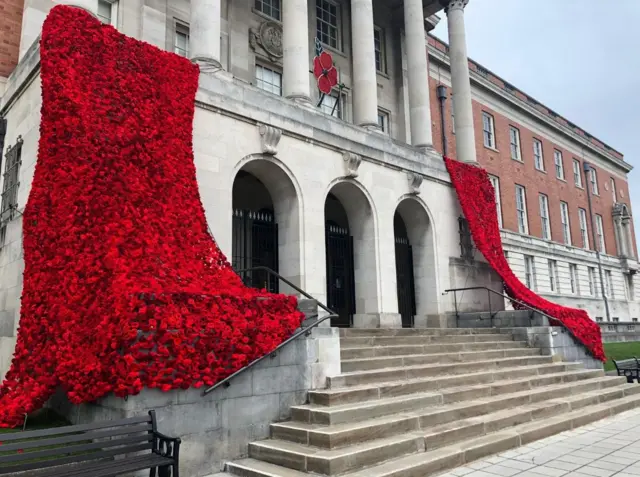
[(210, 66), (441, 320), (301, 100), (377, 320)]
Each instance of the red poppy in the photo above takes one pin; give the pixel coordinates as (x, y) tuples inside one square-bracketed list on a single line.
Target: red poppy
[(325, 72), (123, 287), (477, 200)]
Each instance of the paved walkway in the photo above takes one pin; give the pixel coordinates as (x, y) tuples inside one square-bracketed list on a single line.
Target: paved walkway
[(610, 447)]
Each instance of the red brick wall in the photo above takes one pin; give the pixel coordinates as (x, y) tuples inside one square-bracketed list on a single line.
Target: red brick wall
[(10, 26), (499, 163)]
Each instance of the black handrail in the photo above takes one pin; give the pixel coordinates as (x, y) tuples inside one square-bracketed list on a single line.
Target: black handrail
[(489, 291), (304, 331)]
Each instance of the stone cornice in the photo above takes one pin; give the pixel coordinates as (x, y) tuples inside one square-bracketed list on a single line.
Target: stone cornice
[(528, 105)]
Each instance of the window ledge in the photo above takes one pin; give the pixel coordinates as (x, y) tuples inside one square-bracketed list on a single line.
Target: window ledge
[(333, 50), (561, 179), (540, 170), (383, 74), (517, 160), (265, 16), (491, 148)]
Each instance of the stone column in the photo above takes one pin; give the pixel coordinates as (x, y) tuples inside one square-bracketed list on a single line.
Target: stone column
[(204, 34), (627, 244), (365, 87), (89, 5), (418, 73), (462, 106), (295, 46)]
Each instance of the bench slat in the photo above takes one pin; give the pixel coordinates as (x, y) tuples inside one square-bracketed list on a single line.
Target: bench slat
[(72, 459), (59, 431), (104, 468), (60, 451), (67, 439)]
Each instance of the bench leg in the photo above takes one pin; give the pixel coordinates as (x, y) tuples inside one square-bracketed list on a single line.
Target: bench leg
[(168, 471)]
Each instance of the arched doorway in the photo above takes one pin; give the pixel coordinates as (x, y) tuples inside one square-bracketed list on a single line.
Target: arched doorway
[(340, 264), (404, 272), (255, 231), (266, 225)]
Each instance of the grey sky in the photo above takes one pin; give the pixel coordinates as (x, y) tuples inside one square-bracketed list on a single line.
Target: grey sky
[(581, 58)]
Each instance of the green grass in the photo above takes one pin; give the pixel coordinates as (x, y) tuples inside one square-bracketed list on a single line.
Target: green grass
[(620, 351)]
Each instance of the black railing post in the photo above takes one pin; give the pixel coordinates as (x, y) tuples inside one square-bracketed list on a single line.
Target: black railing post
[(490, 311), (455, 306)]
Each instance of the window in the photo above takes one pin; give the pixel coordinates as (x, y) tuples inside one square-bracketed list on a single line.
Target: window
[(529, 272), (613, 191), (593, 291), (269, 80), (615, 319), (181, 43), (577, 174), (557, 159), (331, 104), (270, 8), (488, 130), (10, 186), (514, 139), (521, 210), (566, 227), (327, 23), (584, 234), (108, 11), (635, 320), (593, 178), (608, 284), (379, 49), (554, 282), (383, 121), (495, 182), (600, 232), (538, 158), (599, 319), (544, 217), (573, 275)]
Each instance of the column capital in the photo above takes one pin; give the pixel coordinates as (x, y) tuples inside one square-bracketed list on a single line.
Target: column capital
[(450, 5)]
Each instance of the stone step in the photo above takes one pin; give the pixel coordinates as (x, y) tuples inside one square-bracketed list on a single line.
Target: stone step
[(362, 364), (510, 378), (354, 332), (259, 468), (398, 350), (366, 341), (356, 378), (366, 457), (314, 433)]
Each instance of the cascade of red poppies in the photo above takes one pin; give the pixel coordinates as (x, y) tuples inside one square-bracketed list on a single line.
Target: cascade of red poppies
[(123, 286), (477, 199)]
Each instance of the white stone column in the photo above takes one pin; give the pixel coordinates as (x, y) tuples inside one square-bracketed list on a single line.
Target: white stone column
[(365, 86), (418, 73), (89, 5), (295, 46), (204, 33), (462, 106)]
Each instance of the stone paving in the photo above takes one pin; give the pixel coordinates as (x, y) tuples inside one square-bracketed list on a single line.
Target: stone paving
[(606, 448)]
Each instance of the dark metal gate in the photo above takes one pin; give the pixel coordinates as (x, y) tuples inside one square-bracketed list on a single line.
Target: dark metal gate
[(405, 283), (340, 277), (255, 243)]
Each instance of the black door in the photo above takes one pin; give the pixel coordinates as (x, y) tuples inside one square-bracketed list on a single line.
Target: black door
[(404, 279), (340, 278), (255, 243)]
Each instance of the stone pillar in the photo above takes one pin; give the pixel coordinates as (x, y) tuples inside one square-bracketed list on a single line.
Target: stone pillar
[(295, 46), (418, 72), (89, 5), (204, 34), (627, 244), (365, 87), (462, 106)]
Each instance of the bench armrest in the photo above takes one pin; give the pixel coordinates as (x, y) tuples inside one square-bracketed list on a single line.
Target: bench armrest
[(166, 446)]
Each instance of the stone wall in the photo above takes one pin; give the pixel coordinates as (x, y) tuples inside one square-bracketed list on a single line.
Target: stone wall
[(218, 427), (620, 331)]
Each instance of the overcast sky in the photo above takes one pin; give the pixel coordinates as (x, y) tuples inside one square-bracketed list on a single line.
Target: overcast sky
[(580, 58)]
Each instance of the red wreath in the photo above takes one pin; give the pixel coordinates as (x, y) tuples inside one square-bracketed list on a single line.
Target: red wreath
[(325, 72)]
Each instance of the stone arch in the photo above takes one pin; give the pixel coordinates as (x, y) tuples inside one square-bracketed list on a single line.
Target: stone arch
[(262, 185), (350, 215), (421, 236)]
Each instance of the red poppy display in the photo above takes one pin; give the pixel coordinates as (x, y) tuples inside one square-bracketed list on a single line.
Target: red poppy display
[(124, 288), (477, 199), (325, 72)]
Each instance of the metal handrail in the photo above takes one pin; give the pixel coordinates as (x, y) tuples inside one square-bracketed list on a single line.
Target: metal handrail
[(489, 291), (304, 331)]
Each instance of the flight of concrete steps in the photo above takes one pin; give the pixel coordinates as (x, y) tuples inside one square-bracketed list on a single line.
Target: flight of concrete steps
[(414, 402)]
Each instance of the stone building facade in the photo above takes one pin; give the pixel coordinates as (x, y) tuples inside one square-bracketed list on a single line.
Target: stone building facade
[(348, 197)]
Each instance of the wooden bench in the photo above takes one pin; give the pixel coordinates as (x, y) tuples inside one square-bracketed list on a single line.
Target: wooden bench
[(629, 368), (99, 449)]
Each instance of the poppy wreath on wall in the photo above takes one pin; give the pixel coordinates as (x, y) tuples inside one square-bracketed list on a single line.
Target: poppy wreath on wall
[(124, 288), (477, 200)]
